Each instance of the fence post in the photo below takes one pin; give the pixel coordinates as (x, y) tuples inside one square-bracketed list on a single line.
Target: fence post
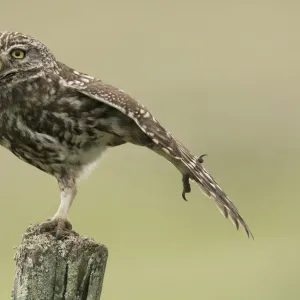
[(69, 269)]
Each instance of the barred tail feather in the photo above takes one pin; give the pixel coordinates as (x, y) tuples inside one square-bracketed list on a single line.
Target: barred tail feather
[(209, 186)]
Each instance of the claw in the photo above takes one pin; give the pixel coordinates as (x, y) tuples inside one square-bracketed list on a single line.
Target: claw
[(200, 159), (186, 186), (60, 228)]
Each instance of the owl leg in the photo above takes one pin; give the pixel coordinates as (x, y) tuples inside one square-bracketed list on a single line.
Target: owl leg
[(59, 223)]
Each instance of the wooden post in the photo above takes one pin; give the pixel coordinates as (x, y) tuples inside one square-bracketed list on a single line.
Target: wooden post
[(47, 269)]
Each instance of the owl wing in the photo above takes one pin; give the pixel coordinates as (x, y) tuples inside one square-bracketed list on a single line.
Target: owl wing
[(124, 103), (189, 165)]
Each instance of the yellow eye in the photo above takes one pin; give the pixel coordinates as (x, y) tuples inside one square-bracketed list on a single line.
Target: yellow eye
[(18, 53)]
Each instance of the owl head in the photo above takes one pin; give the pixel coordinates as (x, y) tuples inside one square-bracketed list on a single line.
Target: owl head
[(21, 56)]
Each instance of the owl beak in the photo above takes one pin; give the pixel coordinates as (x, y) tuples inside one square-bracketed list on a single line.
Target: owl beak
[(3, 63)]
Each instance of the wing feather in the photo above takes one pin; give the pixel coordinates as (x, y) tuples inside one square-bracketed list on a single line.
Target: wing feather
[(173, 150)]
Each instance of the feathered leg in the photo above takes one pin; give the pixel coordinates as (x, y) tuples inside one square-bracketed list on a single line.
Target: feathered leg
[(59, 223)]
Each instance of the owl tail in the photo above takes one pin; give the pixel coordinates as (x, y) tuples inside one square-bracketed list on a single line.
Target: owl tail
[(197, 173)]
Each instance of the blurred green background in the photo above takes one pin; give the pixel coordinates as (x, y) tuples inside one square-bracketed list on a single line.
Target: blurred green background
[(223, 77)]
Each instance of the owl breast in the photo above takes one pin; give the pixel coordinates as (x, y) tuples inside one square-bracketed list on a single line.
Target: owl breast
[(64, 132), (54, 152), (53, 127)]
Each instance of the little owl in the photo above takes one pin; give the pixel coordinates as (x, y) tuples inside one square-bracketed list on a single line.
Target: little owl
[(61, 120)]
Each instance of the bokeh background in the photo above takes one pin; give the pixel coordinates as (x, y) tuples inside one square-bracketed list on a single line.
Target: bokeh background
[(223, 77)]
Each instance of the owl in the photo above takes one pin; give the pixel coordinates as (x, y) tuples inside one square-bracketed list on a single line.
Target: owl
[(61, 120)]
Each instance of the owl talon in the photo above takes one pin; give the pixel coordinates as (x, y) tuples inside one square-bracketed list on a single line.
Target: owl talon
[(58, 235), (59, 227), (200, 159), (186, 180), (186, 186)]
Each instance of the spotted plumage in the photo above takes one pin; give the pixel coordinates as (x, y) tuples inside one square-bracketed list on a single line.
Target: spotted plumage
[(61, 120)]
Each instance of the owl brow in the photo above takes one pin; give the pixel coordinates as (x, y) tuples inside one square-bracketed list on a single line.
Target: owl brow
[(18, 46)]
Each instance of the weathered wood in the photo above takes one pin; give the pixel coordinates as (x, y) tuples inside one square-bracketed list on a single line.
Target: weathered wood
[(47, 269)]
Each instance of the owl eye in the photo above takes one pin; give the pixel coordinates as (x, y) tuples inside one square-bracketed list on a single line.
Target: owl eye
[(18, 53)]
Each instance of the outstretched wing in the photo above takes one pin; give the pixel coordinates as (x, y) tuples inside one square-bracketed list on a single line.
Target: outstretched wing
[(173, 150)]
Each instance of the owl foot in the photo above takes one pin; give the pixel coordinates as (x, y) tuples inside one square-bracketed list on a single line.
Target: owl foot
[(186, 179), (58, 227)]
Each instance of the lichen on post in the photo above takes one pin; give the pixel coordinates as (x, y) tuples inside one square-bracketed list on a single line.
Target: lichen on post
[(68, 269)]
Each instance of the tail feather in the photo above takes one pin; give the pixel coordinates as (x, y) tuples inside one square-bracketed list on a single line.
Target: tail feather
[(209, 186)]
